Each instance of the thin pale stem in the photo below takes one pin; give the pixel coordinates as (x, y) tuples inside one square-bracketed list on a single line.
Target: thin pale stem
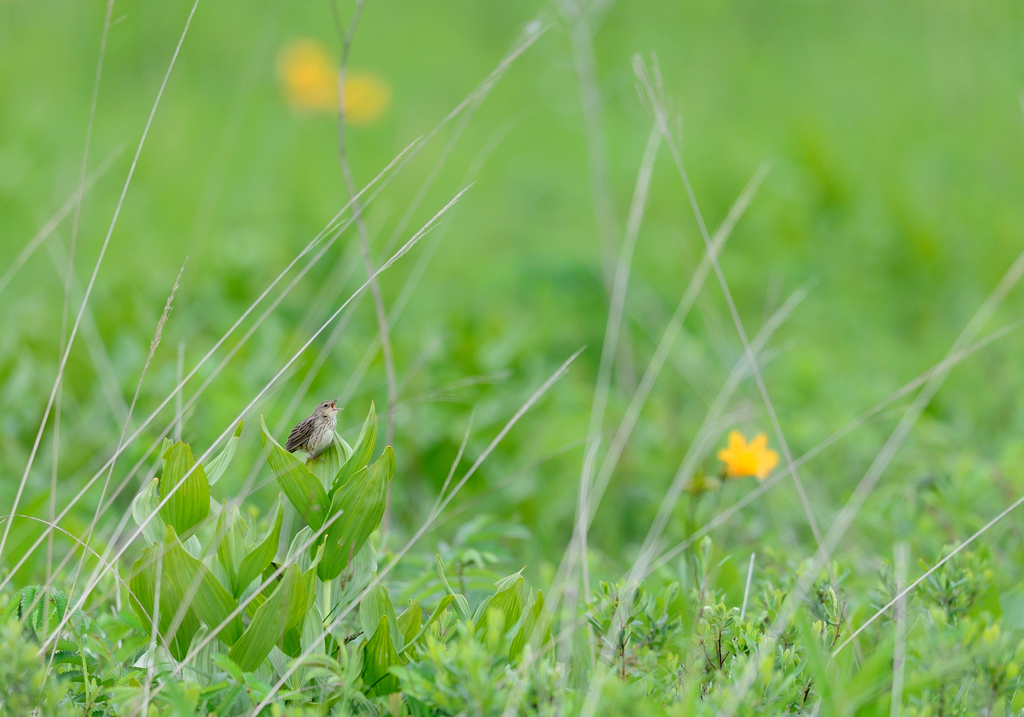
[(901, 554), (53, 222), (746, 588), (364, 245)]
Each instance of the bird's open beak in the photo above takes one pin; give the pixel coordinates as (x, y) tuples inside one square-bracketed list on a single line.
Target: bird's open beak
[(333, 406)]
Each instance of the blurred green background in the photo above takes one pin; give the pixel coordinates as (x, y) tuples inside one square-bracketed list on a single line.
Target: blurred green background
[(894, 136)]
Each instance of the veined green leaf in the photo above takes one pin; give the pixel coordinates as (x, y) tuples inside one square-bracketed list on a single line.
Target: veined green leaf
[(376, 604), (291, 641), (271, 620), (312, 636), (379, 655), (296, 552), (525, 634), (210, 600), (361, 452), (460, 601), (358, 574), (508, 599), (184, 481), (327, 463), (438, 611), (201, 668), (215, 469), (409, 622), (303, 488), (143, 506), (231, 544), (253, 564), (143, 587), (356, 511), (165, 445)]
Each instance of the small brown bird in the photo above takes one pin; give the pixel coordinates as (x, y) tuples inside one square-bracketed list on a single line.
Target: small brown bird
[(314, 433)]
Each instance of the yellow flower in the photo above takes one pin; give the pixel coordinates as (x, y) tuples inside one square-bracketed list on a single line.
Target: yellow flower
[(310, 82), (742, 459), (310, 78), (367, 97)]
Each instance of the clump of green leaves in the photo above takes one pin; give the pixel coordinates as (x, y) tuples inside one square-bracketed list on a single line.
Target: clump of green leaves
[(217, 619)]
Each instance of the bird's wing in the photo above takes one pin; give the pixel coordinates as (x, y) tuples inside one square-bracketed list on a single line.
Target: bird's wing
[(299, 436)]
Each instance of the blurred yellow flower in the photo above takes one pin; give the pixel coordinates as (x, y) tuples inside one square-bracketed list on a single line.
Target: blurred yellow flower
[(310, 78), (742, 459), (367, 97), (310, 82)]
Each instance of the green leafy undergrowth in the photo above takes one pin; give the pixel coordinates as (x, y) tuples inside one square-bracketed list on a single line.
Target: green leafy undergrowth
[(656, 647), (213, 618)]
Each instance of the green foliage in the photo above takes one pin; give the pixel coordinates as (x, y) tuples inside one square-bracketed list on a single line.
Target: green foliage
[(303, 489), (675, 647), (24, 687), (184, 490), (892, 135), (356, 510)]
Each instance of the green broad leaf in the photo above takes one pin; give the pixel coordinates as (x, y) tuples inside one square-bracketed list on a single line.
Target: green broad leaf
[(300, 555), (215, 469), (165, 445), (142, 584), (291, 641), (356, 511), (460, 601), (508, 598), (256, 600), (303, 488), (357, 576), (525, 635), (379, 656), (313, 633), (270, 622), (361, 452), (438, 611), (409, 622), (201, 667), (253, 564), (510, 601), (327, 463), (211, 601), (230, 538), (184, 481), (143, 506), (375, 605)]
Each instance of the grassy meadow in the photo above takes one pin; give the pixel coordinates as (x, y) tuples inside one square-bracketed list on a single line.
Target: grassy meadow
[(561, 535)]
